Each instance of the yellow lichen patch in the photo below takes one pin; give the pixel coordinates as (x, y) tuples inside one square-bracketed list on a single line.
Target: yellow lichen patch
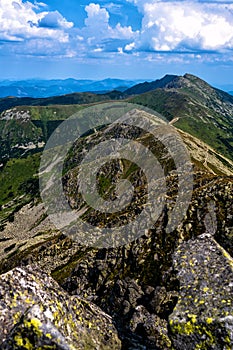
[(209, 320), (35, 324), (13, 304), (191, 262), (193, 318), (209, 299), (184, 328), (228, 340), (16, 317), (190, 328), (28, 301), (18, 340), (23, 343), (227, 255)]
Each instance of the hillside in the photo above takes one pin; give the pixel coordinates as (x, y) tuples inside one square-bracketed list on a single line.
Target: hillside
[(161, 290), (188, 102), (75, 98), (195, 107)]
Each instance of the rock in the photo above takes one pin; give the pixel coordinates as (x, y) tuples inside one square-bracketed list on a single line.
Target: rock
[(122, 279), (150, 327), (136, 283), (203, 316), (161, 301), (37, 314), (139, 311)]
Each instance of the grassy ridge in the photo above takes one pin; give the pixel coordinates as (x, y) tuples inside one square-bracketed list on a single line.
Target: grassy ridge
[(199, 109)]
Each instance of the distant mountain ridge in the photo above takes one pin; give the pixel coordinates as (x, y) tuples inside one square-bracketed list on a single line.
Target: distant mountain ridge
[(36, 88), (39, 88)]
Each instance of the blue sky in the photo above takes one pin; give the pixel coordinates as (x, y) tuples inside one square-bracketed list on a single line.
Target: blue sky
[(131, 39)]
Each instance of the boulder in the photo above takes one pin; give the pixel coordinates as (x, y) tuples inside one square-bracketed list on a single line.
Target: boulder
[(35, 313), (203, 316)]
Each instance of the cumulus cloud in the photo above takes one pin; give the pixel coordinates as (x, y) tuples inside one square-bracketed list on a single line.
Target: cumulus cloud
[(180, 26), (98, 19), (54, 20), (96, 16), (98, 33), (22, 21), (185, 26)]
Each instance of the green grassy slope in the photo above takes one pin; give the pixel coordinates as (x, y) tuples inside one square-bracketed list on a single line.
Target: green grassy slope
[(19, 184), (196, 108), (76, 98)]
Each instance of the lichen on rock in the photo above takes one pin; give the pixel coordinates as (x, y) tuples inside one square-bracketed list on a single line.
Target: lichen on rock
[(37, 314), (203, 316)]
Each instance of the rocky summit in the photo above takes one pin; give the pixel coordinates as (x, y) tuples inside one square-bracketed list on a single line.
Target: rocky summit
[(161, 290)]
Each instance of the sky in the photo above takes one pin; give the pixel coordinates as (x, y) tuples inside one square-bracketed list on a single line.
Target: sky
[(128, 39)]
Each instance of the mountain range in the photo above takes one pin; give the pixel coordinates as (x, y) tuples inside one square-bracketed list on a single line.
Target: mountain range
[(38, 88), (187, 101), (46, 88), (161, 291)]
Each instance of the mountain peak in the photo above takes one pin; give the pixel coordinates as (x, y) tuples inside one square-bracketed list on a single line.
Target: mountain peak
[(195, 107), (190, 76), (146, 87), (198, 82), (169, 81)]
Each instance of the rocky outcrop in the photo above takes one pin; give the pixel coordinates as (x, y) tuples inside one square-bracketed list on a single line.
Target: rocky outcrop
[(185, 306), (136, 284), (203, 316), (35, 313)]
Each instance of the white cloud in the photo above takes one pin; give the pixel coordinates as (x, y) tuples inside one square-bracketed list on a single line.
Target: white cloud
[(96, 16), (169, 26), (130, 47), (98, 29), (54, 20), (185, 25), (40, 4), (22, 21)]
